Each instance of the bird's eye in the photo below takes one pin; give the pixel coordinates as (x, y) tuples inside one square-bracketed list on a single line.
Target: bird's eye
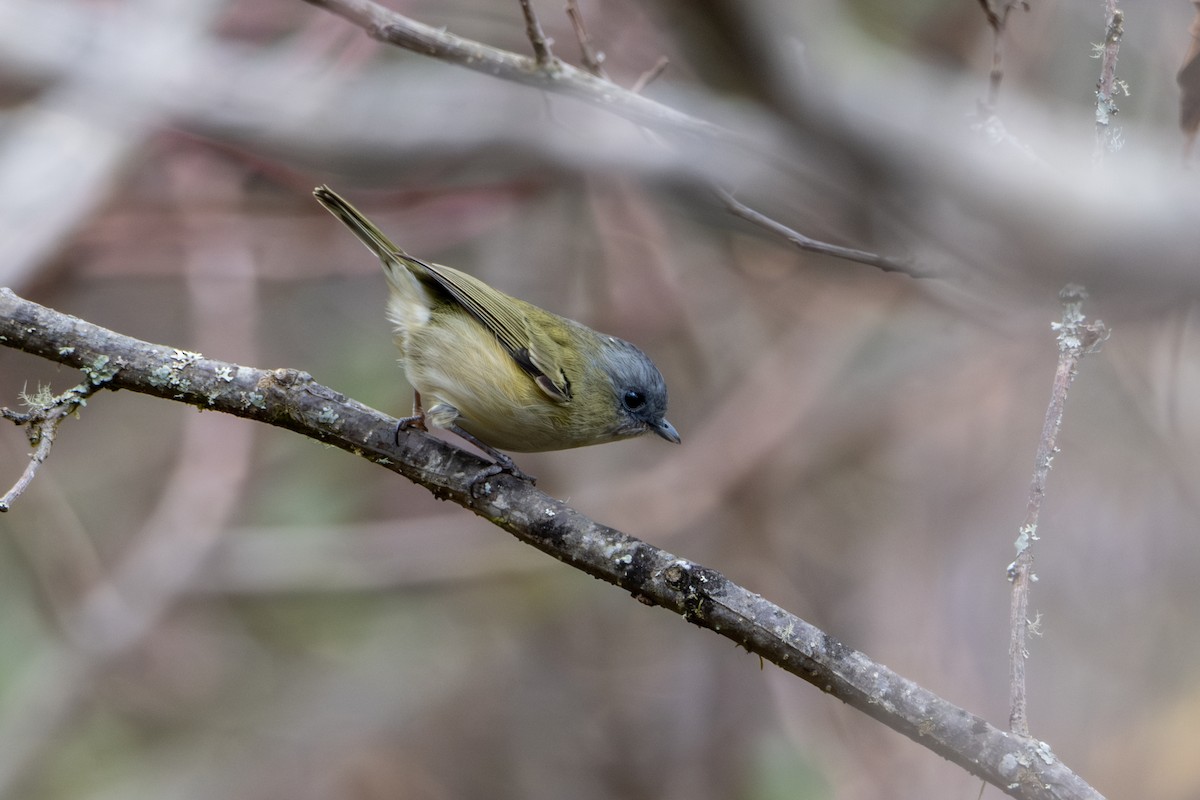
[(633, 399)]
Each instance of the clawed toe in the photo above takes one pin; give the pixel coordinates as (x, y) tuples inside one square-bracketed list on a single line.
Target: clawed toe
[(414, 423), (501, 465)]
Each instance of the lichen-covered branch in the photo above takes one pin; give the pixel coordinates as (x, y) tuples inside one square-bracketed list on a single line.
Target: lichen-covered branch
[(290, 399), (1076, 338), (1108, 136), (41, 423)]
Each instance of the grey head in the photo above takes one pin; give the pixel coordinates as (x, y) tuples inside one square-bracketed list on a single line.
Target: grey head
[(639, 389)]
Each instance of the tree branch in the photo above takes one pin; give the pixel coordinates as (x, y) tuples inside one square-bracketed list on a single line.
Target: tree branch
[(996, 12), (593, 59), (388, 26), (41, 424), (1108, 137), (802, 242), (290, 399), (537, 37), (1076, 338)]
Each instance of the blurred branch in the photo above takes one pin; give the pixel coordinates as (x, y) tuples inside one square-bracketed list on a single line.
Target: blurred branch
[(290, 399), (1076, 338), (60, 153), (388, 26), (649, 76), (593, 59), (537, 37), (124, 607), (296, 105), (1108, 137), (391, 27), (803, 242), (1188, 79), (996, 12)]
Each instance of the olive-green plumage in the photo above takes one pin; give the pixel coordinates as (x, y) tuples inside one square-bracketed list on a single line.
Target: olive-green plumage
[(511, 374)]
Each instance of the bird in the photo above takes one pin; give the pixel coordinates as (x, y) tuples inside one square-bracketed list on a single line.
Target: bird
[(503, 373)]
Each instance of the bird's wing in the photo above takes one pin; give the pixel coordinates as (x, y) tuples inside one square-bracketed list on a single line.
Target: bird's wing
[(536, 350)]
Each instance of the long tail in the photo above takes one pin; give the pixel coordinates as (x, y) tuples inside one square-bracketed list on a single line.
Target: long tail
[(363, 228)]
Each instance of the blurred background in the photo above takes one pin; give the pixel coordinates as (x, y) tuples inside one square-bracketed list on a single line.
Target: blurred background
[(196, 606)]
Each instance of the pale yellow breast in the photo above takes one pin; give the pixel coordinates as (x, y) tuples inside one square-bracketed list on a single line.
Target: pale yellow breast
[(453, 359)]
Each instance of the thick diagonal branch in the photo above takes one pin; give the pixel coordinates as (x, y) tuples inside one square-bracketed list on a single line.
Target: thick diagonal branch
[(291, 399)]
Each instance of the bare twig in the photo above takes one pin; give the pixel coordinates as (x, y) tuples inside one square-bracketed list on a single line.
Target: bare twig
[(996, 12), (1108, 137), (389, 26), (650, 75), (593, 59), (292, 400), (41, 426), (996, 74), (1076, 338), (537, 37), (803, 242)]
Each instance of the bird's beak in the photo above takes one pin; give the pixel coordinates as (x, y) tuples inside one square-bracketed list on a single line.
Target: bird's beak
[(666, 430)]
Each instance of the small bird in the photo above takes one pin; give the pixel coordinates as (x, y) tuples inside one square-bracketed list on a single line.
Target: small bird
[(503, 373)]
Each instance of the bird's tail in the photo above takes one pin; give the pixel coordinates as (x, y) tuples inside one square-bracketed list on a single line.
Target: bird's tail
[(395, 261)]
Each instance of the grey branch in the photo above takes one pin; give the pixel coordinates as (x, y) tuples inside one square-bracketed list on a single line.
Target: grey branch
[(41, 424), (1108, 136), (1076, 338), (551, 75), (290, 399), (802, 242), (537, 37), (593, 60), (393, 28)]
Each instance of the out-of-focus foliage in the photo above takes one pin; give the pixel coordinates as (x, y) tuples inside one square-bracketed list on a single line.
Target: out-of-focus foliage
[(857, 445)]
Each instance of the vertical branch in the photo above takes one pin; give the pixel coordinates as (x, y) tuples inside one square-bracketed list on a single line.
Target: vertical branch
[(1188, 79), (1076, 338), (592, 59), (1108, 137), (537, 37), (996, 75), (996, 13)]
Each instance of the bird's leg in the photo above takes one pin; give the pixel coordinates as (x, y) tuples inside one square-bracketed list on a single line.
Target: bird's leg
[(503, 461), (442, 415), (417, 420)]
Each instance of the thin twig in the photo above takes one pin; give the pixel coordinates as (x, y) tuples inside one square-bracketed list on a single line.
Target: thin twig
[(45, 440), (593, 59), (388, 26), (1076, 338), (803, 242), (996, 74), (537, 37), (41, 426), (997, 19), (1108, 137), (650, 75)]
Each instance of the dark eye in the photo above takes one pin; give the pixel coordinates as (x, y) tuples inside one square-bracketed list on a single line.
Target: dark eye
[(633, 399)]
